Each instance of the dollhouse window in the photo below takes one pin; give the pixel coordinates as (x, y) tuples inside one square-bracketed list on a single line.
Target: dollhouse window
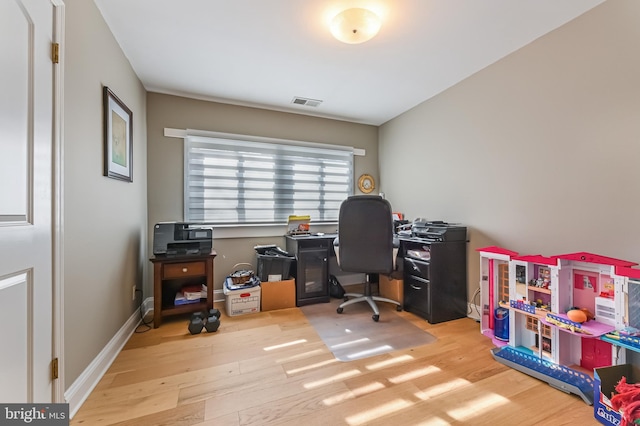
[(585, 281)]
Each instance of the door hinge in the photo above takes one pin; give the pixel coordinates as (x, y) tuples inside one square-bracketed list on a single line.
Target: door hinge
[(54, 369), (55, 52)]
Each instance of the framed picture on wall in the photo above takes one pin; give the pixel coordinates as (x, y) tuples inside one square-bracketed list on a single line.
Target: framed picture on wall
[(118, 137)]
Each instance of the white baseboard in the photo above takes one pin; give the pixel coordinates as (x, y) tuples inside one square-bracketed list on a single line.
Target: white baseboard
[(80, 389), (473, 309), (147, 306)]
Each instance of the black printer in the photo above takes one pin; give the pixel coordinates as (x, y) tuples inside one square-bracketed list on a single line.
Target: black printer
[(438, 231), (182, 239)]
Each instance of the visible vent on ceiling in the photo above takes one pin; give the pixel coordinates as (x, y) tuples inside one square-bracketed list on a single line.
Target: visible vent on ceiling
[(306, 101)]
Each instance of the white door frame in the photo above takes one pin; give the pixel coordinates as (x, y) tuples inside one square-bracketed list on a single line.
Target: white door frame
[(58, 202)]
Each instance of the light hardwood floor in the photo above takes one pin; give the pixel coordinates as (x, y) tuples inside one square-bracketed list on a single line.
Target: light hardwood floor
[(272, 368)]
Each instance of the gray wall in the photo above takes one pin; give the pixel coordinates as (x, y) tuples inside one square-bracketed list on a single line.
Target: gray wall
[(537, 153), (105, 220), (165, 162)]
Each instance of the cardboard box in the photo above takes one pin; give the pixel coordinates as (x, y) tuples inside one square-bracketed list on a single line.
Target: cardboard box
[(241, 301), (278, 294), (605, 381), (391, 287)]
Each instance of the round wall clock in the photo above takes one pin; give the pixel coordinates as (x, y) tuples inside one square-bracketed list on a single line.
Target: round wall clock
[(366, 183)]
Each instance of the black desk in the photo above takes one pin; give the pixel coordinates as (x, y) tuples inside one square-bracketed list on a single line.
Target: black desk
[(435, 288), (311, 272)]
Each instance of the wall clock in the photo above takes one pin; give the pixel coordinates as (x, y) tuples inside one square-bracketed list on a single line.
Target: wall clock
[(366, 183)]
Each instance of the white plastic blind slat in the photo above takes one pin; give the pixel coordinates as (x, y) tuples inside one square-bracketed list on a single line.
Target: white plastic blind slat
[(244, 182)]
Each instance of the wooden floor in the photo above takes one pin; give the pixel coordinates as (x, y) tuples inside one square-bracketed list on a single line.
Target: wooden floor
[(271, 368)]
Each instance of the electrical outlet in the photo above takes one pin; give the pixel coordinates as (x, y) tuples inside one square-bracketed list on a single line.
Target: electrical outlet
[(133, 292)]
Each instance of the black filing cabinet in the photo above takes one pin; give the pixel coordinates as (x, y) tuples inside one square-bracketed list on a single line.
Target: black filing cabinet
[(417, 298), (312, 267), (435, 279)]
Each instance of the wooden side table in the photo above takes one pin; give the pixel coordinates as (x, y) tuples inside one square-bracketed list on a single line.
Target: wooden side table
[(170, 273)]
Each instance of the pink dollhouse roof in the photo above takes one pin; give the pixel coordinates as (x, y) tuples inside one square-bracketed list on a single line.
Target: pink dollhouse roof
[(498, 250), (594, 258), (538, 258), (625, 271)]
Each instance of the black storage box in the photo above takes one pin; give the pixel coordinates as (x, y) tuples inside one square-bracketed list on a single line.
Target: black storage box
[(274, 264)]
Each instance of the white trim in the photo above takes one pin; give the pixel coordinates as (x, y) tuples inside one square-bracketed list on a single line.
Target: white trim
[(473, 309), (81, 388), (147, 306), (175, 133), (58, 203), (218, 296), (183, 133)]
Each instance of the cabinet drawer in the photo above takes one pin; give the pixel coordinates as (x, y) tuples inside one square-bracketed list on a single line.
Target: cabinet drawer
[(416, 284), (417, 296), (186, 269), (417, 268)]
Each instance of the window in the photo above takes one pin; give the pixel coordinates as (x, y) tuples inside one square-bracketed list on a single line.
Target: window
[(240, 181)]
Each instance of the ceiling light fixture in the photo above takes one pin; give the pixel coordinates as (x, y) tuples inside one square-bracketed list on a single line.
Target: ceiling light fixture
[(355, 25)]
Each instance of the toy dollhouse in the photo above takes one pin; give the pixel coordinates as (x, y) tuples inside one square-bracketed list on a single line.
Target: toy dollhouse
[(536, 293), (494, 287)]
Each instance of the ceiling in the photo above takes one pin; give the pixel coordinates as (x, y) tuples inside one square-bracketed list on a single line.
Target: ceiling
[(263, 53)]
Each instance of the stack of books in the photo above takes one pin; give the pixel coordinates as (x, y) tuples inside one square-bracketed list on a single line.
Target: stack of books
[(190, 294)]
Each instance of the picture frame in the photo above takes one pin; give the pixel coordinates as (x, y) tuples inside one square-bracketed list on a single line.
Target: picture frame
[(118, 137)]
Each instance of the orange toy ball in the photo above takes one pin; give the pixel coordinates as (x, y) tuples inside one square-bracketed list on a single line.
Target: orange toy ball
[(576, 315), (587, 313)]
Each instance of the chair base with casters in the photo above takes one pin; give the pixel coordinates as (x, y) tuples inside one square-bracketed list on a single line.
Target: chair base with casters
[(369, 298)]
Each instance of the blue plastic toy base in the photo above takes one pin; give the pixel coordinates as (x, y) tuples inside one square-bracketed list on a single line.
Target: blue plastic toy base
[(557, 376)]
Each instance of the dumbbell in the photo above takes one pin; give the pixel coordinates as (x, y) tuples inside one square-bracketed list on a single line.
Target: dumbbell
[(215, 312), (213, 322), (196, 324)]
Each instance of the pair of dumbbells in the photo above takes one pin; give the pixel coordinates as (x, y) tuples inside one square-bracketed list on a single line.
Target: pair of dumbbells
[(209, 320)]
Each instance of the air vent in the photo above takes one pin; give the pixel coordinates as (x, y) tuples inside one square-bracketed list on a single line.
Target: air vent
[(306, 101)]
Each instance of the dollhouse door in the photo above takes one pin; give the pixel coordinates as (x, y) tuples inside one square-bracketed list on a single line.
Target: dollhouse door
[(26, 200), (596, 353)]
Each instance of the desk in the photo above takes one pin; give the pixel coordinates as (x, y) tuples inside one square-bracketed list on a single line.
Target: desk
[(312, 266), (170, 273)]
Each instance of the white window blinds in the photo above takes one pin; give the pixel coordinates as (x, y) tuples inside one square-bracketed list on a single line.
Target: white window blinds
[(231, 181)]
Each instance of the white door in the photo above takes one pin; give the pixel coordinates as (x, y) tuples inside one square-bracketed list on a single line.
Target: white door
[(26, 142)]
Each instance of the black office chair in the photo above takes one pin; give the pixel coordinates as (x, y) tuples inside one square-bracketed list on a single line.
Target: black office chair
[(365, 244)]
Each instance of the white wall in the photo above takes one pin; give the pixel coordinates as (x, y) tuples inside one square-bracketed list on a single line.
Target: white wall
[(537, 153), (105, 220)]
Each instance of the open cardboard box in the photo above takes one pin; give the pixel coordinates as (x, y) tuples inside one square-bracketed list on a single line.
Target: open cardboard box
[(391, 286), (605, 381), (278, 294)]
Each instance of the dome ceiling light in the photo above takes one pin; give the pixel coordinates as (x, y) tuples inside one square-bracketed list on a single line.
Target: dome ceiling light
[(355, 25)]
